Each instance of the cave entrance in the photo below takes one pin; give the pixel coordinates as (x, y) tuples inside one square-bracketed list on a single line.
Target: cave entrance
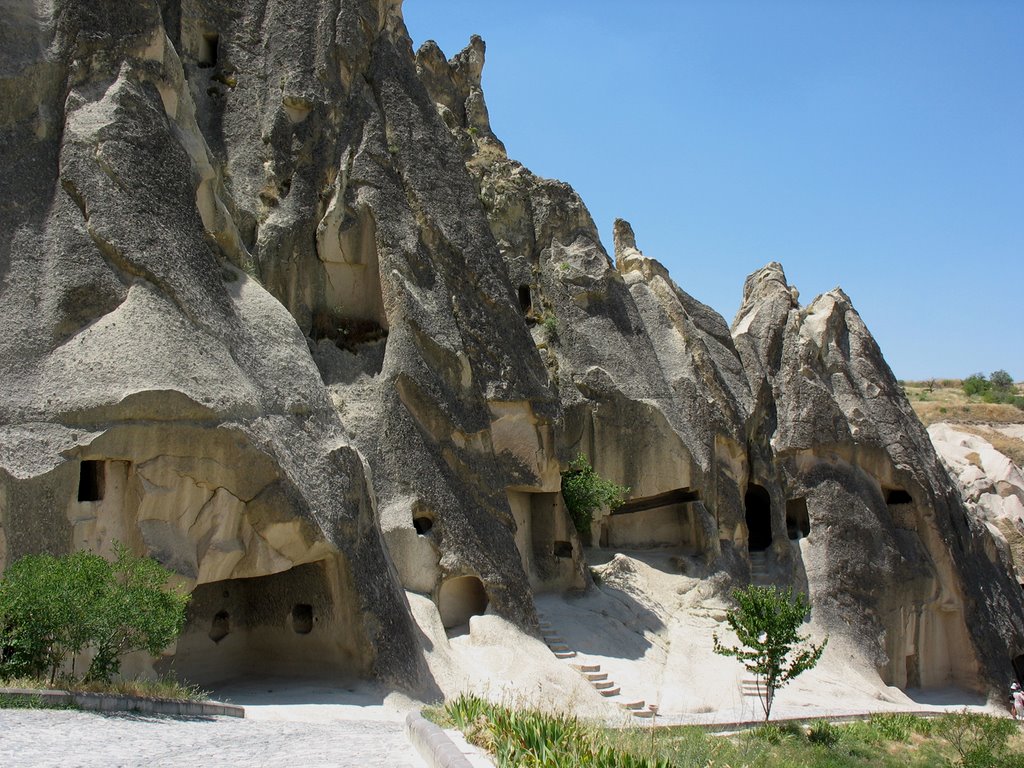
[(461, 598), (91, 480), (662, 520), (525, 302), (289, 624), (898, 496), (798, 521), (1018, 668), (209, 42), (758, 504)]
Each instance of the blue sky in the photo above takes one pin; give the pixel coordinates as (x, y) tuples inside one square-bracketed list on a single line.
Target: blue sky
[(873, 144)]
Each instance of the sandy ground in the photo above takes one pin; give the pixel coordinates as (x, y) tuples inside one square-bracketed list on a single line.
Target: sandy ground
[(651, 629), (52, 738)]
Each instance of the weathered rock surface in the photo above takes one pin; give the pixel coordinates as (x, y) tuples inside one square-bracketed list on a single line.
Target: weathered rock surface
[(992, 487), (279, 311)]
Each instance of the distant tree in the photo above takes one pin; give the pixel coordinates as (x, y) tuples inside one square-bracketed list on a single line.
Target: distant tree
[(976, 384), (1001, 380), (766, 623), (585, 492)]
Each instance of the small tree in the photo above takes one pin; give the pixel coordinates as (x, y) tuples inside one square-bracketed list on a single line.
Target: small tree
[(766, 623), (1001, 380), (976, 384), (52, 609), (585, 492)]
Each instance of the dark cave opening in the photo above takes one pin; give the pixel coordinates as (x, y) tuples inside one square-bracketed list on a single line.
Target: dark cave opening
[(91, 480), (898, 496), (525, 302), (798, 521), (758, 504)]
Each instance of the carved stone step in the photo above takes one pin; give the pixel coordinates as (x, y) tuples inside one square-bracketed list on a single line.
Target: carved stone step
[(645, 713), (609, 691), (603, 685), (558, 647), (595, 677), (634, 705), (564, 654), (587, 667)]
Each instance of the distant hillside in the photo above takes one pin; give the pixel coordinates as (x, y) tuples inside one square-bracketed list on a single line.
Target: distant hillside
[(945, 400)]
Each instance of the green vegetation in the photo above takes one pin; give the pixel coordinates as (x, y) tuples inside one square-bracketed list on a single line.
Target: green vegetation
[(766, 623), (550, 324), (585, 492), (998, 388), (165, 688), (947, 400), (894, 740), (54, 609), (530, 738)]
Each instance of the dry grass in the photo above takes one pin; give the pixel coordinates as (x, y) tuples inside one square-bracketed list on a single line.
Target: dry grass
[(945, 400), (147, 689)]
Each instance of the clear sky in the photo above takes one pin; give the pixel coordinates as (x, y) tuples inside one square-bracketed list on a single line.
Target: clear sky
[(873, 144)]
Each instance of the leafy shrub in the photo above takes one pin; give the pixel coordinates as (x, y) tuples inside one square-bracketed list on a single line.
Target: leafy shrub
[(979, 740), (824, 733), (585, 492), (893, 726), (976, 384), (1000, 380), (52, 609)]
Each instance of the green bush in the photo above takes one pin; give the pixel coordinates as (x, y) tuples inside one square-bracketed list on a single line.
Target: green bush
[(976, 384), (531, 738), (979, 740), (52, 609), (824, 733), (894, 726), (585, 492), (1001, 380)]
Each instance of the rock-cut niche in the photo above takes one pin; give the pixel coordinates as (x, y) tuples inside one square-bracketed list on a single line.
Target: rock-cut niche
[(351, 308), (91, 480), (461, 598), (758, 505)]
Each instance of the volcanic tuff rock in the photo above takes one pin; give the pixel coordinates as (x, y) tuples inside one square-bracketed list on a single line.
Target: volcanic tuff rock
[(279, 310)]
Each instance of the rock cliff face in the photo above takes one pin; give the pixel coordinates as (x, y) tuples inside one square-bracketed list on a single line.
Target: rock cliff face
[(279, 311)]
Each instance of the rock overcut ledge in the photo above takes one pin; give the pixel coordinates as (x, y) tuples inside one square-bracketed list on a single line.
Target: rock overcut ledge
[(279, 310)]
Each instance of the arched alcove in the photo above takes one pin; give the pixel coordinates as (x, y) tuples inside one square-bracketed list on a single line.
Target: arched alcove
[(798, 521), (758, 504), (460, 598)]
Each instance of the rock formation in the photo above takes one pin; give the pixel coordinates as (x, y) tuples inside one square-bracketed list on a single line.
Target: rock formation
[(279, 311)]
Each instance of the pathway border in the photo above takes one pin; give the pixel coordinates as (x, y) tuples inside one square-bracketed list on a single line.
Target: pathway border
[(433, 744), (112, 702)]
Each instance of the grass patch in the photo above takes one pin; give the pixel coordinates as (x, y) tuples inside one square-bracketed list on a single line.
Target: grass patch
[(945, 400), (892, 740), (146, 689)]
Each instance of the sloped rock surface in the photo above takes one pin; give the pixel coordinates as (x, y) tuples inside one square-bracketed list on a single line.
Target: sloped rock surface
[(279, 310)]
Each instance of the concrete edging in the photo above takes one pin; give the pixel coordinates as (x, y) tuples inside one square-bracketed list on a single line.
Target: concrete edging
[(112, 702), (432, 743)]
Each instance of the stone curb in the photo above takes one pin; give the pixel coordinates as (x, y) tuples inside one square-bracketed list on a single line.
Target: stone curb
[(433, 744), (111, 702)]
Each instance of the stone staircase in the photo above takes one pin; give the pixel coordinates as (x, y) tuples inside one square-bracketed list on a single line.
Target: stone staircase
[(593, 674), (759, 569)]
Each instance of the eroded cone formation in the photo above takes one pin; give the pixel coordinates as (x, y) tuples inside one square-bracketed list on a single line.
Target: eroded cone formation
[(279, 311)]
